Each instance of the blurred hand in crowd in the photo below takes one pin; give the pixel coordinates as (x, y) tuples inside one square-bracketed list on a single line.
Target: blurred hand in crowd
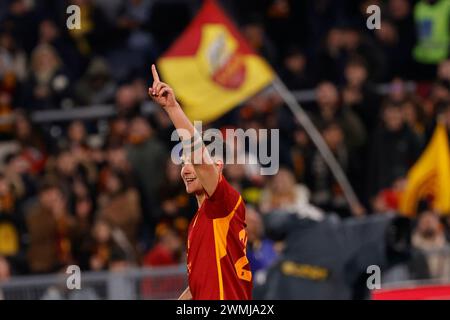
[(5, 271)]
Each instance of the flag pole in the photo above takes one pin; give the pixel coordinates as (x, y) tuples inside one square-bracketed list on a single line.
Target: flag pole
[(316, 137)]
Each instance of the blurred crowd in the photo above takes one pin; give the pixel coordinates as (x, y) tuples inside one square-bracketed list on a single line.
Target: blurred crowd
[(104, 193)]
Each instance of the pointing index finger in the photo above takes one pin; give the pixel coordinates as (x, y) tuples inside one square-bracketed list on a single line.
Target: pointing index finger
[(155, 73)]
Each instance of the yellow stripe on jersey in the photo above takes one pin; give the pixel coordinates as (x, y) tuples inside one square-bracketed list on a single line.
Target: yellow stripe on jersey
[(221, 226)]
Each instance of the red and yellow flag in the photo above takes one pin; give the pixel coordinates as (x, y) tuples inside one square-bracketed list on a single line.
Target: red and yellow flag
[(429, 178), (211, 67)]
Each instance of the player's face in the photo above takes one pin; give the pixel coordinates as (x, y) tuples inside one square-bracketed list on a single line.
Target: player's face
[(190, 179)]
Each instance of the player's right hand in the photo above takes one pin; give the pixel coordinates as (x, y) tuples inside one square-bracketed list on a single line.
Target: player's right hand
[(161, 92)]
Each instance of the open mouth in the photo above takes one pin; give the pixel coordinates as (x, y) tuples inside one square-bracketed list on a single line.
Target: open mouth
[(189, 180)]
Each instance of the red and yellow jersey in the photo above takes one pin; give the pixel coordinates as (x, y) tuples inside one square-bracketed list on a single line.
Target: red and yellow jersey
[(218, 267)]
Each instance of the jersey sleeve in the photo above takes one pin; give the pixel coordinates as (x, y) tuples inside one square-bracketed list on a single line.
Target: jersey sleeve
[(223, 201)]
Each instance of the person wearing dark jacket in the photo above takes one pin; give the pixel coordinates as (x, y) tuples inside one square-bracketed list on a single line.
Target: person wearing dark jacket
[(324, 258), (394, 150)]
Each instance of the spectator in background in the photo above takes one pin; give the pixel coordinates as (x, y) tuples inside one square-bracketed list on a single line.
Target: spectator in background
[(133, 33), (6, 128), (248, 182), (447, 228), (12, 228), (21, 21), (295, 71), (167, 251), (330, 57), (164, 128), (398, 91), (119, 205), (7, 196), (81, 152), (300, 152), (48, 86), (388, 199), (323, 259), (330, 109), (13, 170), (396, 39), (133, 22), (249, 174), (321, 17), (5, 273), (50, 34), (356, 43), (16, 170), (429, 237), (77, 135), (84, 215), (14, 59), (414, 119), (108, 247), (389, 39), (254, 33), (96, 86), (443, 71), (12, 72), (176, 206), (325, 191), (117, 133), (145, 153), (75, 174), (260, 250), (280, 16), (50, 228), (394, 149), (433, 42), (358, 93), (34, 146), (445, 116), (282, 192), (127, 102), (116, 156), (94, 35), (440, 91), (434, 104)]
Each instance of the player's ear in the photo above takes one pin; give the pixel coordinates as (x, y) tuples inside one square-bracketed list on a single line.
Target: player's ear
[(219, 165)]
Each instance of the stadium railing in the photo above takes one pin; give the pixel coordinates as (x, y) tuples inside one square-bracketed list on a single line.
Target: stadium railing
[(163, 283), (130, 284)]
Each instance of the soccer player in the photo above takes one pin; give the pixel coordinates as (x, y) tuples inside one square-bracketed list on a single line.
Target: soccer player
[(217, 263)]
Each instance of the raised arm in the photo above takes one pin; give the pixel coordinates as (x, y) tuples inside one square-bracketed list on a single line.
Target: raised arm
[(206, 171)]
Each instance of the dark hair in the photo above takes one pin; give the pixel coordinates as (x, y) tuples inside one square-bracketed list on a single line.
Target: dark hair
[(388, 104), (324, 126), (9, 157), (124, 180), (442, 106), (48, 183), (357, 61)]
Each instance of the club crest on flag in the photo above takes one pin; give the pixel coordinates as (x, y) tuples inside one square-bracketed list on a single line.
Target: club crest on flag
[(218, 55), (211, 67)]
